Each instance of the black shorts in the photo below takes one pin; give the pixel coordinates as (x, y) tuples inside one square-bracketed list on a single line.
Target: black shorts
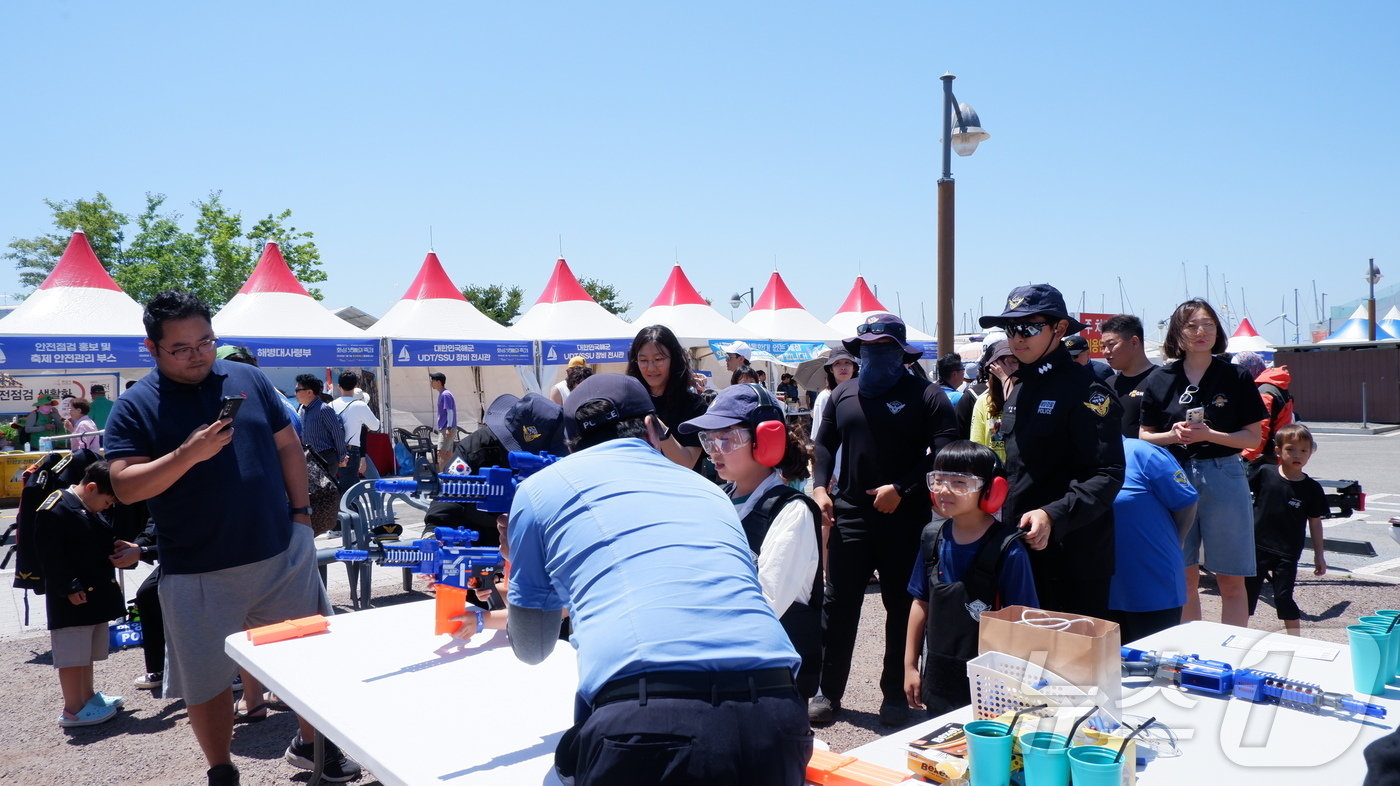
[(1281, 573)]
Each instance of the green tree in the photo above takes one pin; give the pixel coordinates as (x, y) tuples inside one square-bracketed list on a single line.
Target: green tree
[(35, 257), (496, 301), (606, 294), (161, 255)]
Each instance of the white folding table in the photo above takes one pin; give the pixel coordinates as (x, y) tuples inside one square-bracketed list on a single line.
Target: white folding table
[(484, 716)]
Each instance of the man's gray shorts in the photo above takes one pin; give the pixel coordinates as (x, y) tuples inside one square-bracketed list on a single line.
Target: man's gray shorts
[(202, 609)]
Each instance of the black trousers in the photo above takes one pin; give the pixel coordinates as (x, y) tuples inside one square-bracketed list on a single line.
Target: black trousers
[(152, 623), (763, 741), (864, 541), (349, 474), (1134, 625), (1087, 597)]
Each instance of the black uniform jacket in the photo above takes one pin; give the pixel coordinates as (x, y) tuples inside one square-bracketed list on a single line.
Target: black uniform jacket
[(74, 546)]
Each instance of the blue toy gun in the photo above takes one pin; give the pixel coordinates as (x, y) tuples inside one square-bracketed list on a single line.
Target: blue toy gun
[(449, 555), (492, 490), (1261, 687)]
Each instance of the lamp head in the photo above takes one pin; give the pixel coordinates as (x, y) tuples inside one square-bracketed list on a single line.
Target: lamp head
[(967, 134)]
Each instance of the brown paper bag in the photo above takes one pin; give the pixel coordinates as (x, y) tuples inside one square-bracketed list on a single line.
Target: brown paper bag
[(1086, 653)]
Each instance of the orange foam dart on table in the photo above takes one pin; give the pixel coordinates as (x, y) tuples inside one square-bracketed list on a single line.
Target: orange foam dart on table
[(863, 773), (291, 629), (824, 763)]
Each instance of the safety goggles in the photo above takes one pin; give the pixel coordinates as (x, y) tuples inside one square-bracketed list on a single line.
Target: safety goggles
[(722, 442), (1188, 396), (956, 482), (1025, 329)]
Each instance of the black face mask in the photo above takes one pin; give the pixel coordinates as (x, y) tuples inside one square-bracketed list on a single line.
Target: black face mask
[(881, 367)]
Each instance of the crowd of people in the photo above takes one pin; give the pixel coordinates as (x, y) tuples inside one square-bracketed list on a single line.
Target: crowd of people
[(1040, 478)]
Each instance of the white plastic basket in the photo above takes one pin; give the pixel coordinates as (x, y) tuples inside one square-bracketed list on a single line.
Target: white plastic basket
[(1002, 683)]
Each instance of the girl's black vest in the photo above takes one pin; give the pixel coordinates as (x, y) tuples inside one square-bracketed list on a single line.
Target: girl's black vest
[(950, 637), (802, 621)]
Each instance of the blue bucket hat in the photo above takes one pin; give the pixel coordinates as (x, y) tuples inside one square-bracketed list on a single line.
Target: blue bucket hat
[(876, 327), (1032, 300)]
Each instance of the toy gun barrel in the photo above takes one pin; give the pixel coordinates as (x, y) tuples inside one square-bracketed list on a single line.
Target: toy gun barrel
[(395, 486), (351, 555), (1345, 703)]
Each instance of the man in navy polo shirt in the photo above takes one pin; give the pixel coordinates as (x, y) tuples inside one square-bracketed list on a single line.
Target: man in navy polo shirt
[(233, 531)]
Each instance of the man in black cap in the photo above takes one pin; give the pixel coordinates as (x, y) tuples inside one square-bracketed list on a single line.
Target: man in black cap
[(1064, 454), (1078, 348), (888, 425), (685, 674)]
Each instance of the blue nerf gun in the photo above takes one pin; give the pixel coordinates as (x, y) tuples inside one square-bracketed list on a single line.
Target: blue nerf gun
[(450, 556), (492, 490), (1261, 687)]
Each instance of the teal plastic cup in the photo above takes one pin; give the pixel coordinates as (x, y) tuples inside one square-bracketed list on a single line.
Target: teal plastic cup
[(1368, 652), (1094, 765), (1395, 664), (989, 752), (1045, 756), (1392, 641)]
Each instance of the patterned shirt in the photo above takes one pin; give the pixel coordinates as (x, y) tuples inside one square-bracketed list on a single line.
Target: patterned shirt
[(322, 430)]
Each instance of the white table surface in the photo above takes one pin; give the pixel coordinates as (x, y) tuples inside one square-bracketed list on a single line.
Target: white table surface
[(481, 715), (1235, 740)]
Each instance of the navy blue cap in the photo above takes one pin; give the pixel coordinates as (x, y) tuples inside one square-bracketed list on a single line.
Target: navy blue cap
[(748, 403), (532, 423), (628, 397), (1032, 300), (876, 327)]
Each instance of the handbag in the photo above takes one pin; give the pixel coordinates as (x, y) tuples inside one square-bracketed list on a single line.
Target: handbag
[(1082, 650), (325, 494)]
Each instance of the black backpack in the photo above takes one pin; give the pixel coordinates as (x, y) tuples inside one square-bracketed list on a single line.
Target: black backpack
[(49, 474)]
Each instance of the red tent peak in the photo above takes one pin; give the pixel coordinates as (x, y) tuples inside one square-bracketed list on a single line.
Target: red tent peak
[(432, 282), (79, 267), (861, 300), (678, 291), (776, 295), (563, 286), (272, 275), (1245, 328)]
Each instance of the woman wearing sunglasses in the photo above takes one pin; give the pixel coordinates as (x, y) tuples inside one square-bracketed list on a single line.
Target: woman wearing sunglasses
[(753, 450), (1205, 411)]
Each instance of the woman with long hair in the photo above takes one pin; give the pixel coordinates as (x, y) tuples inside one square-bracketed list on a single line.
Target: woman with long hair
[(997, 366), (659, 362), (1205, 411)]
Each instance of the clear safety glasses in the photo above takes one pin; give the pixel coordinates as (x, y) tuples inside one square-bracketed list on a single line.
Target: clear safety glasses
[(956, 482)]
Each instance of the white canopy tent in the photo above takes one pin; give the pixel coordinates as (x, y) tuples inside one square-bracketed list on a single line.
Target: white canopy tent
[(1356, 329), (568, 322), (680, 307), (435, 328), (1247, 339), (777, 317), (1391, 321), (861, 304)]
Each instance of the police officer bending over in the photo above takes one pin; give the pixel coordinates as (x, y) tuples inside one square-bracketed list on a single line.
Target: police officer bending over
[(1064, 455), (684, 671)]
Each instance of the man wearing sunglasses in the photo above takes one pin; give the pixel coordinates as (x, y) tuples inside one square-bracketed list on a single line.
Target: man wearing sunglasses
[(887, 424), (1064, 454)]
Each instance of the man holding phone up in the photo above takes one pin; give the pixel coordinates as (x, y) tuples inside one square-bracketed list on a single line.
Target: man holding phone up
[(234, 536)]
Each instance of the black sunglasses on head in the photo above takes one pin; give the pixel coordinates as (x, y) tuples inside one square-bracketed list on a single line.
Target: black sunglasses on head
[(1025, 329), (879, 328)]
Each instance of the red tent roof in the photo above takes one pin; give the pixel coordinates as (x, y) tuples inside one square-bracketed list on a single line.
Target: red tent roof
[(79, 267), (678, 291), (563, 286), (776, 295), (1245, 329), (861, 299), (432, 282), (272, 275)]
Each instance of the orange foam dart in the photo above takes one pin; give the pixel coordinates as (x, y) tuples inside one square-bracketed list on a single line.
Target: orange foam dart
[(863, 773), (823, 763), (451, 602), (291, 629)]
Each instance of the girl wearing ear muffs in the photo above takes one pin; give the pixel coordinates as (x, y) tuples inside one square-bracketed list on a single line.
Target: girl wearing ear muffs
[(968, 562), (752, 449)]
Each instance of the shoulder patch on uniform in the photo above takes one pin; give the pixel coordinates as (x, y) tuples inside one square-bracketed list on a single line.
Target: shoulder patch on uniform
[(51, 501), (1098, 404), (1180, 477)]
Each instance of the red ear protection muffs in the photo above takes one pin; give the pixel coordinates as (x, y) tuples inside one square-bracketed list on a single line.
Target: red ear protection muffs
[(994, 496), (770, 435)]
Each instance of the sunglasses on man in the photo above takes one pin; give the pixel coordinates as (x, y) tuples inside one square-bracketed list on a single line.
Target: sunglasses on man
[(1026, 329)]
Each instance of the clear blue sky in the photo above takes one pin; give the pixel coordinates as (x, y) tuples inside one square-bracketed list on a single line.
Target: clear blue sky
[(1258, 139)]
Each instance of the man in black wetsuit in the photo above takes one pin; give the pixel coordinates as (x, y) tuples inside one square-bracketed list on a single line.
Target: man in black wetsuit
[(1064, 455), (888, 425)]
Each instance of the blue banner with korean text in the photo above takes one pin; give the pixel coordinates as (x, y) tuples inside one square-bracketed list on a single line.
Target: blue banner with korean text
[(422, 352), (602, 350), (297, 352), (54, 352), (788, 353)]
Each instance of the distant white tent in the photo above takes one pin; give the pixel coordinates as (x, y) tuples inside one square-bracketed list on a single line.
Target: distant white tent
[(272, 303), (1247, 339), (1390, 323), (78, 298), (1356, 329), (568, 322), (681, 308), (777, 316), (861, 304)]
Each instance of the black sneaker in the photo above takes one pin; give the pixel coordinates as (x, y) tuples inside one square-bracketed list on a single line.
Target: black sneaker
[(223, 775), (894, 713), (821, 711), (339, 768)]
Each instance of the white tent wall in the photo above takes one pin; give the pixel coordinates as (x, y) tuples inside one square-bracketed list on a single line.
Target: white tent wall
[(413, 403)]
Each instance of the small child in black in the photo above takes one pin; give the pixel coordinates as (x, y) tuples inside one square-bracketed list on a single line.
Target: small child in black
[(79, 554), (1285, 500)]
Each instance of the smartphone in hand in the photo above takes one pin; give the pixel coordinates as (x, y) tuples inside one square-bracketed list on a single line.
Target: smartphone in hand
[(229, 409), (1196, 415)]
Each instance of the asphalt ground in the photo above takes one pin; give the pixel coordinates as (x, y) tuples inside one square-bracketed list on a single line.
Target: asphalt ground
[(151, 743)]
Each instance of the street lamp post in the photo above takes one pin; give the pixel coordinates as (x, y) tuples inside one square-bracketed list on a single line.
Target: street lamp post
[(964, 141), (1373, 277)]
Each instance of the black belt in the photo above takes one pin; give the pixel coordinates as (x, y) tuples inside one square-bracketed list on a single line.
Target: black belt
[(713, 686)]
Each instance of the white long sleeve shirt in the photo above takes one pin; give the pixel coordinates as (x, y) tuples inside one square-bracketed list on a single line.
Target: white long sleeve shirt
[(788, 558)]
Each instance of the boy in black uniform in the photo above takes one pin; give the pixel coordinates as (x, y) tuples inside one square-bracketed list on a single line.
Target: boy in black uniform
[(1285, 500), (78, 553), (1064, 455)]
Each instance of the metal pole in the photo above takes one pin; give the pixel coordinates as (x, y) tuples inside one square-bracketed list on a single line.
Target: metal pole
[(1371, 301), (1364, 422), (945, 225)]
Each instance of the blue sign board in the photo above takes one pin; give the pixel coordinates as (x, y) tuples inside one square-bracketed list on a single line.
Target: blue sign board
[(930, 348), (603, 350), (297, 352), (61, 352), (415, 352), (787, 352)]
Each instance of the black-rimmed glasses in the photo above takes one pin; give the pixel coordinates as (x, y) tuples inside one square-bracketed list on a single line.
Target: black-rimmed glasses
[(1025, 329), (188, 353), (1188, 396)]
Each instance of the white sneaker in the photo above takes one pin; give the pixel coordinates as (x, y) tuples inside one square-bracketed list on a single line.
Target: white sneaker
[(149, 680)]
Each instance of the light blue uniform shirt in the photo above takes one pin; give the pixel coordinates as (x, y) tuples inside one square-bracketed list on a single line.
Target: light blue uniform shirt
[(651, 562), (1147, 571)]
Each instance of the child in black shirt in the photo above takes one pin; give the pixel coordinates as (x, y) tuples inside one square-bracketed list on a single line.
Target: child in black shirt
[(1284, 499)]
